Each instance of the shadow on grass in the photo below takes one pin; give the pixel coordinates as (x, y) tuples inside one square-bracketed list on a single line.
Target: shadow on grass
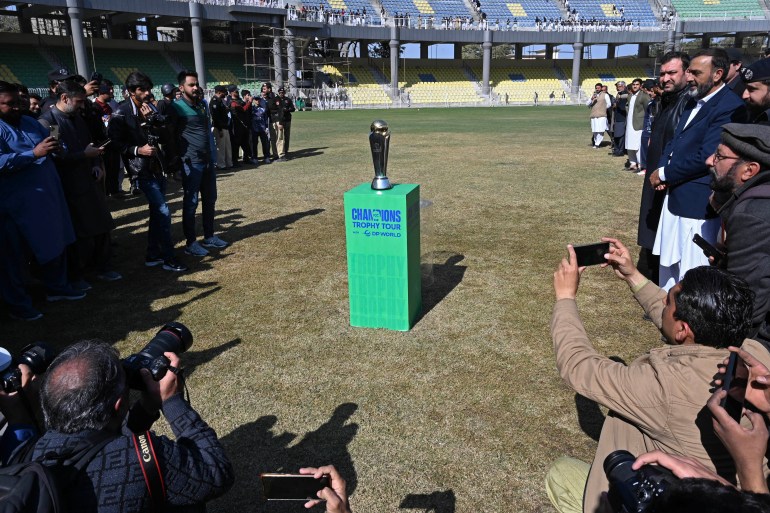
[(590, 417), (440, 279), (237, 231), (254, 449), (192, 359), (436, 502)]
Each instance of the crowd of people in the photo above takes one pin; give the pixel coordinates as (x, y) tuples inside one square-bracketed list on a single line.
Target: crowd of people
[(700, 136), (64, 157)]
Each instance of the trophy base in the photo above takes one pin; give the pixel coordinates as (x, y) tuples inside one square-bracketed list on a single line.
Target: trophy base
[(381, 183)]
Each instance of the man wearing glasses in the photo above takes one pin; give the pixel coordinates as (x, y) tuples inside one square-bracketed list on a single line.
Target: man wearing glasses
[(741, 184)]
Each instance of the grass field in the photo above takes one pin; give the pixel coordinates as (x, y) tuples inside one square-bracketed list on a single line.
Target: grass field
[(465, 412)]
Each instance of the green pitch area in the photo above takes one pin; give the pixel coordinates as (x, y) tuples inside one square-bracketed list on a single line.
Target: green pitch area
[(465, 412)]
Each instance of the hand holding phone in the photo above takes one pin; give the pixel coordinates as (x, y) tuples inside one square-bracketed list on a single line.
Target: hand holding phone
[(292, 487), (708, 250), (591, 254), (734, 383)]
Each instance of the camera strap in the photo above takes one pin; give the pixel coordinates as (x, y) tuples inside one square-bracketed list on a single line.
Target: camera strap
[(153, 478)]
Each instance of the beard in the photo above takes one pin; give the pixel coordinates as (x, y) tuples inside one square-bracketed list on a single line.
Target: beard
[(701, 90), (723, 186)]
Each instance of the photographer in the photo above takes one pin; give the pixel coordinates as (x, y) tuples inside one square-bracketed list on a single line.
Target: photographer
[(133, 130), (84, 396), (657, 400)]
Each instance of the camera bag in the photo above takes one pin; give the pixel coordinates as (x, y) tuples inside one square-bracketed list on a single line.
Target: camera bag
[(35, 487)]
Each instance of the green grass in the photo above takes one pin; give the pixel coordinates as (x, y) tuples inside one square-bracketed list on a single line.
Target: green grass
[(468, 403)]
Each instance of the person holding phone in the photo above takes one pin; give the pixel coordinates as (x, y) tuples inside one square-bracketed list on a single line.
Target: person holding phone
[(747, 440), (335, 495), (657, 400)]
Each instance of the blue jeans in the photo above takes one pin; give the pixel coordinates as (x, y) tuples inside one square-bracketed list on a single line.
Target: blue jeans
[(159, 243), (198, 177)]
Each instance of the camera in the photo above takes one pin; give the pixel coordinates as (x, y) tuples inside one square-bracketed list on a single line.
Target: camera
[(633, 491), (155, 120), (173, 337), (37, 357)]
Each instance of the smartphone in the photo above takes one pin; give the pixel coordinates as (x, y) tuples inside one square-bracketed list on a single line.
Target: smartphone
[(708, 249), (54, 131), (591, 254), (734, 382), (292, 487)]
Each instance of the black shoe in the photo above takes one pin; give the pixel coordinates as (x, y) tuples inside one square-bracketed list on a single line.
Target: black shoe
[(173, 265), (152, 262)]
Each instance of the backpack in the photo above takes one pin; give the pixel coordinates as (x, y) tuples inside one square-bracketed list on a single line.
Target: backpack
[(28, 486)]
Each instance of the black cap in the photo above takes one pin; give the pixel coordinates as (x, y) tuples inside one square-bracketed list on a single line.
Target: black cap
[(281, 90), (734, 54), (232, 88), (649, 84), (760, 70), (220, 89), (749, 141), (60, 75)]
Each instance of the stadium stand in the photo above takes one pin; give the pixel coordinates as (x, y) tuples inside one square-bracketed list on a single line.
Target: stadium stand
[(523, 78), (360, 84), (437, 8), (717, 8), (24, 65), (609, 71), (523, 11), (603, 10), (438, 81), (352, 6)]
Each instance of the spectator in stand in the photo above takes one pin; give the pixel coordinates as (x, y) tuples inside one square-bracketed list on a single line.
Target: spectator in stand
[(34, 220), (220, 120), (81, 170), (260, 125), (240, 117)]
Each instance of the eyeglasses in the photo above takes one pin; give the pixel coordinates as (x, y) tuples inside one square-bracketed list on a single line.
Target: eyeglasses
[(718, 157)]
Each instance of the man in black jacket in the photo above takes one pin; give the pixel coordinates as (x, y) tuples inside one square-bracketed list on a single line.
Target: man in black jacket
[(673, 100), (221, 123), (240, 116), (136, 130), (281, 108), (740, 180), (85, 394)]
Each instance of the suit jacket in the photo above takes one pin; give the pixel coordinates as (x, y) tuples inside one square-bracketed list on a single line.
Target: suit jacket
[(640, 105), (657, 402), (684, 157)]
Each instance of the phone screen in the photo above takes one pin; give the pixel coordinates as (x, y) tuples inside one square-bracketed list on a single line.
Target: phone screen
[(591, 254), (292, 487), (735, 382)]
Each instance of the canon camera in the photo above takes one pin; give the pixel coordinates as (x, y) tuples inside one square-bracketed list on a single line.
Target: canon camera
[(632, 491), (174, 337), (37, 357)]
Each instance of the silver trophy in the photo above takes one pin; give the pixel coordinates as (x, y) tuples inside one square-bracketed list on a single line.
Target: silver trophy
[(379, 140)]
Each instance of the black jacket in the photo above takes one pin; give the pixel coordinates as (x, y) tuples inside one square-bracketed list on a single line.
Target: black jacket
[(219, 110), (128, 136), (746, 218)]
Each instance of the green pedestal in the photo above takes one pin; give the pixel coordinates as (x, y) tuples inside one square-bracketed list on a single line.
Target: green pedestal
[(382, 230)]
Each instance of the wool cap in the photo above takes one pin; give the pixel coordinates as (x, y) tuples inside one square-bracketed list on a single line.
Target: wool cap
[(749, 141), (760, 70)]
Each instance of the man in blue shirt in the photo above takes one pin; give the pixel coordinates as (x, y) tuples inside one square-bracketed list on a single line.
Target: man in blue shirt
[(34, 218)]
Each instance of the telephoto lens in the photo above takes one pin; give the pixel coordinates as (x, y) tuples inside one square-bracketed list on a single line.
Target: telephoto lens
[(174, 337), (633, 491), (37, 357)]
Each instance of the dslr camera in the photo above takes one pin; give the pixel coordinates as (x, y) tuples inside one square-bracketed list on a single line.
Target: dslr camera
[(174, 337), (633, 491), (37, 357)]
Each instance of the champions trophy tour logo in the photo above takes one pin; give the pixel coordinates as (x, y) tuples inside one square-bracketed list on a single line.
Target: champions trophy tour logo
[(379, 140)]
